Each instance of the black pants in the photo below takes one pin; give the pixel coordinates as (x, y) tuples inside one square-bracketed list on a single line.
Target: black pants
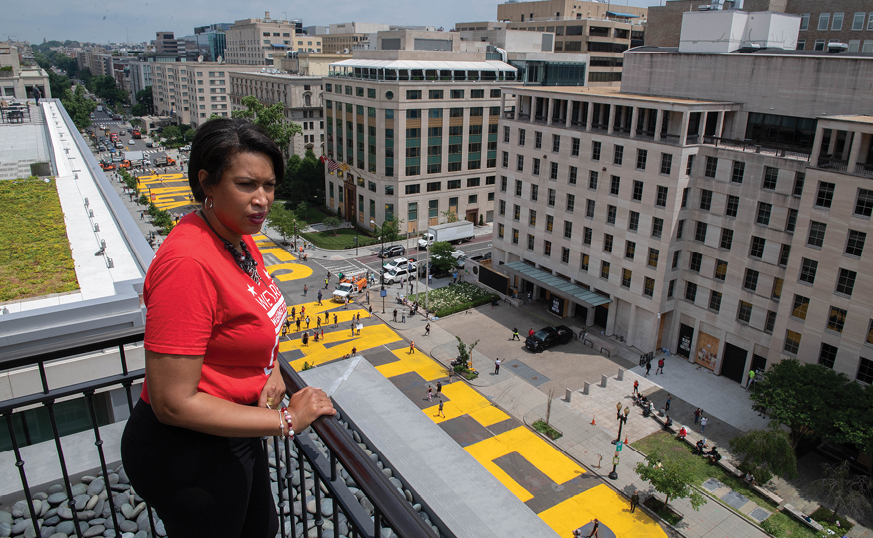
[(200, 484)]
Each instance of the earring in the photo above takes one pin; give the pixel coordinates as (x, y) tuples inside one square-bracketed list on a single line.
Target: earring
[(211, 202)]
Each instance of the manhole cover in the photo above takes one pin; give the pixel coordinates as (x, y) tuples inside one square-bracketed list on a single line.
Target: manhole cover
[(759, 514), (711, 485)]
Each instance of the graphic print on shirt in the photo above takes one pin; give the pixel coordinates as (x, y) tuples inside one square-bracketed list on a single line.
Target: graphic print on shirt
[(273, 302)]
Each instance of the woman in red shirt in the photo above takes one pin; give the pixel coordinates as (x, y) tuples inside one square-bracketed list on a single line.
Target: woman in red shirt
[(191, 448)]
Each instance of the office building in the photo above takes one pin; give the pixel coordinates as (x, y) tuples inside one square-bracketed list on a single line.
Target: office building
[(166, 43), (717, 205), (417, 131), (20, 81), (308, 64), (258, 41), (835, 21), (301, 96)]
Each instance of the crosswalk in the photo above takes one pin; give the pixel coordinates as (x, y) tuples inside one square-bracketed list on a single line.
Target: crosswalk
[(341, 266)]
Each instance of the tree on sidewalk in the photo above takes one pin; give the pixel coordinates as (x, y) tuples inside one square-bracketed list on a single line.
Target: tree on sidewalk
[(282, 220), (765, 453), (845, 491), (465, 355), (332, 223), (670, 477), (441, 256)]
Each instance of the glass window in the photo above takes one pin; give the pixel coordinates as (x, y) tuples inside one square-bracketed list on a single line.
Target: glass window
[(804, 21), (823, 20), (706, 199), (700, 232), (538, 139), (614, 185), (858, 21), (638, 191), (827, 355), (690, 291), (574, 149), (657, 227), (666, 163), (744, 312), (727, 239), (680, 228), (757, 248), (633, 221), (770, 176), (618, 155), (595, 151), (571, 177), (607, 243), (864, 202), (652, 260), (855, 243), (816, 234), (800, 307), (784, 253), (592, 180), (604, 270), (642, 155), (629, 249), (714, 300), (586, 235), (626, 275), (750, 282), (838, 22), (836, 319), (720, 269), (589, 210), (693, 264), (808, 269), (661, 199), (670, 288), (732, 207), (846, 282), (825, 195), (792, 342), (711, 167)]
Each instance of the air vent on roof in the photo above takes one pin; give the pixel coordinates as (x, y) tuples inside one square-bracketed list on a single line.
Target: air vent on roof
[(836, 48)]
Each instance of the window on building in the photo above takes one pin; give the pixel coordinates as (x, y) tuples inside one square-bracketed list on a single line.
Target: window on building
[(816, 234), (434, 186), (552, 197), (771, 322), (629, 249), (836, 319), (865, 371), (864, 201), (502, 207), (652, 260), (531, 240), (519, 165), (689, 166), (706, 199), (792, 342), (556, 143), (819, 45), (649, 287), (694, 263), (855, 243), (732, 207), (750, 282), (744, 312), (700, 232), (827, 355), (571, 176), (618, 155), (536, 166), (457, 94), (592, 179), (685, 192), (589, 210), (586, 235), (846, 282), (714, 300), (661, 199), (514, 236), (711, 167), (553, 173), (604, 270), (595, 151), (410, 94), (690, 291), (657, 227), (791, 222), (607, 243), (825, 195), (633, 221), (784, 253), (838, 22), (574, 148), (763, 216), (503, 182), (800, 307), (516, 212), (720, 270), (583, 265), (804, 21), (626, 275), (771, 174), (550, 223), (823, 21), (808, 269), (757, 248), (666, 163), (641, 159), (538, 139), (571, 202), (521, 137), (680, 228), (799, 180), (727, 239), (614, 185)]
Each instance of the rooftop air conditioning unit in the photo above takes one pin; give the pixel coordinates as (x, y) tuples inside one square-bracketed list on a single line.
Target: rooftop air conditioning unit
[(836, 48)]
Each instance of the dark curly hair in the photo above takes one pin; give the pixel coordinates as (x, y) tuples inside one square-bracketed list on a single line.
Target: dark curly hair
[(216, 144)]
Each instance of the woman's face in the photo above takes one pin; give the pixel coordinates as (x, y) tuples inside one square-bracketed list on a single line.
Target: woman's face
[(243, 197)]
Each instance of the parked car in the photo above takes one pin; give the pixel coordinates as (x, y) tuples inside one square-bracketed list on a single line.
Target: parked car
[(401, 263), (149, 145), (548, 337), (392, 251), (395, 275), (130, 142)]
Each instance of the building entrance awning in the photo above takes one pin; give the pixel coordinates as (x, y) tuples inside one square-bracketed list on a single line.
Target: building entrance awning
[(555, 284)]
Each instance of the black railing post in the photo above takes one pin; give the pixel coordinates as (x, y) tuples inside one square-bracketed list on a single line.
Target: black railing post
[(99, 444), (71, 503), (281, 482), (301, 461), (319, 520), (289, 475), (20, 464)]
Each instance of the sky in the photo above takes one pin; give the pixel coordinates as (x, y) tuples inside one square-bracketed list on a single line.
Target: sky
[(113, 21)]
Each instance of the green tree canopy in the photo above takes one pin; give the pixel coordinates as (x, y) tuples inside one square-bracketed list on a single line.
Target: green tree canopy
[(272, 119), (282, 220), (670, 477), (78, 106), (765, 453), (144, 99), (332, 223), (804, 397), (441, 255)]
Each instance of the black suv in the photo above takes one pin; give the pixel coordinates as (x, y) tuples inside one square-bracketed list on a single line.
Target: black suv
[(391, 252), (547, 337)]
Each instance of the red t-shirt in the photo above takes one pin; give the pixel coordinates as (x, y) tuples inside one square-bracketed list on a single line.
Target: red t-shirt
[(199, 302)]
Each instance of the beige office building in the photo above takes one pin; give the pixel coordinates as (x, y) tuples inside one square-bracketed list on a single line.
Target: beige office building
[(18, 83), (301, 96), (709, 207), (417, 132), (600, 29), (261, 41)]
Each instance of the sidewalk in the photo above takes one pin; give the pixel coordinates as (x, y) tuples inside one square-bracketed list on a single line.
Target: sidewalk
[(582, 440)]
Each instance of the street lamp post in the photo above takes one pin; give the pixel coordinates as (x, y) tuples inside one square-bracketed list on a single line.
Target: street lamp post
[(382, 263), (622, 418)]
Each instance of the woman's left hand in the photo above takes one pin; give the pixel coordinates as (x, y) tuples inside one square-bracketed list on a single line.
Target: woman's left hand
[(274, 390)]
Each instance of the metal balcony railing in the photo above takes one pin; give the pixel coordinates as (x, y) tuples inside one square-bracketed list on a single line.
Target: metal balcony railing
[(756, 147), (391, 509)]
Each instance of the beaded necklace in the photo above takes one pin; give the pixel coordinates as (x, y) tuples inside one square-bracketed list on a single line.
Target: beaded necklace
[(243, 259)]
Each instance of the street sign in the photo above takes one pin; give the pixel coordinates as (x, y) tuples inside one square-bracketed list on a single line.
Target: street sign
[(615, 460), (383, 293), (618, 446)]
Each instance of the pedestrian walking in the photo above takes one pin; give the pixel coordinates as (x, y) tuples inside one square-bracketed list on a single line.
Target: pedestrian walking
[(496, 366), (648, 367), (326, 282), (515, 334), (352, 327), (441, 409), (530, 332), (427, 330), (305, 339), (635, 500), (530, 297), (335, 323), (322, 333), (403, 317), (368, 296), (636, 387), (430, 280), (302, 311), (703, 421), (327, 317), (667, 404), (319, 298), (318, 322), (412, 347), (430, 394), (307, 322), (595, 529), (298, 324), (439, 388), (660, 366), (395, 315), (697, 415), (751, 379), (329, 274), (346, 305)]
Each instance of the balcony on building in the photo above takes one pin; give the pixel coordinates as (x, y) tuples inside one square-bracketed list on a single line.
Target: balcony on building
[(844, 144)]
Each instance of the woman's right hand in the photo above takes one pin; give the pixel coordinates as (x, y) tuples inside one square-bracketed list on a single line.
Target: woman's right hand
[(307, 405)]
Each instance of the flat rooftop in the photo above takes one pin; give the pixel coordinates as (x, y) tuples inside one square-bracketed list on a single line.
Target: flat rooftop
[(616, 93), (852, 119), (760, 52)]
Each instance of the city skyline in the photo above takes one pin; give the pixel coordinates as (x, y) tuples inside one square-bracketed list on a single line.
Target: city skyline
[(103, 23)]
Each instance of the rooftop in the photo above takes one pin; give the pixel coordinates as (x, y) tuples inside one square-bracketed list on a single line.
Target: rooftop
[(616, 93), (852, 119), (760, 52), (488, 65)]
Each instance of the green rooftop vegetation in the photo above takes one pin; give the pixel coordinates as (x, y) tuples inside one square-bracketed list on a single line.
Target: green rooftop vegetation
[(35, 259)]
